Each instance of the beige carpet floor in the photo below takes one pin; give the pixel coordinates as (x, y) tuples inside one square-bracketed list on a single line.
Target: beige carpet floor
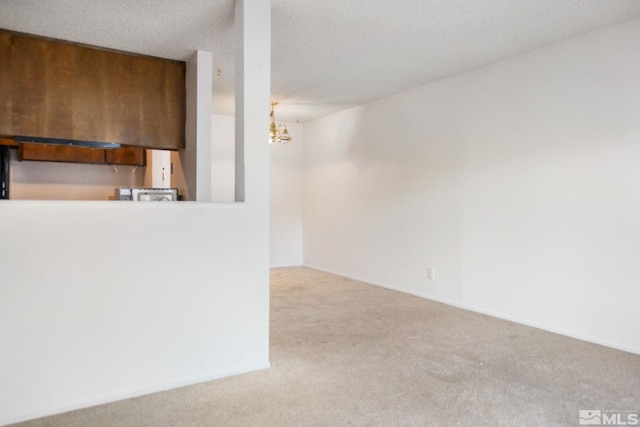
[(346, 353)]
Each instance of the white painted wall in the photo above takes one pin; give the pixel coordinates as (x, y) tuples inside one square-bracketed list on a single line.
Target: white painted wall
[(223, 158), (204, 63), (92, 309), (518, 182), (285, 187), (286, 199), (35, 180), (158, 169), (192, 170)]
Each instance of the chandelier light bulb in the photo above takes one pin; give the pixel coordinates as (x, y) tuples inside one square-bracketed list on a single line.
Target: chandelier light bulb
[(278, 133)]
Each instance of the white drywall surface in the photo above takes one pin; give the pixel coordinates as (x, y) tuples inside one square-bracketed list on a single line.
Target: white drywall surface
[(286, 199), (519, 183)]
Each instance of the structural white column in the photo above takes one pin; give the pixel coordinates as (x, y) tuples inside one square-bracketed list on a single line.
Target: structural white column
[(253, 87), (196, 157)]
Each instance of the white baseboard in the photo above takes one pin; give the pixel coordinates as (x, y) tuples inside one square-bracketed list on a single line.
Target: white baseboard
[(134, 392), (480, 310), (285, 265)]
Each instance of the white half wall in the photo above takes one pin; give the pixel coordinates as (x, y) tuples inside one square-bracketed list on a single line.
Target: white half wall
[(92, 309), (101, 301), (518, 183)]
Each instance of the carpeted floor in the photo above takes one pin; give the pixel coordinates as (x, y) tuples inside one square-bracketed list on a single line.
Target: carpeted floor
[(346, 353)]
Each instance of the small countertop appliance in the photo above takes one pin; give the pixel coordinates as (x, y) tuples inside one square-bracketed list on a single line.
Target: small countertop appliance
[(147, 194)]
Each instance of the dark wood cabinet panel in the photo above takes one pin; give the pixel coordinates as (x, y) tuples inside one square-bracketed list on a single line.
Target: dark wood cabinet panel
[(122, 98), (53, 89), (161, 120), (43, 152), (126, 156), (5, 85), (10, 142), (88, 97), (85, 155), (62, 153), (41, 84), (58, 81), (28, 86)]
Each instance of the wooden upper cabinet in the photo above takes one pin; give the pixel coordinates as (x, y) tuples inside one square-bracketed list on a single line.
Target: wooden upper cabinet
[(41, 85), (161, 113), (6, 104), (62, 153), (126, 156), (53, 89), (45, 152), (89, 109)]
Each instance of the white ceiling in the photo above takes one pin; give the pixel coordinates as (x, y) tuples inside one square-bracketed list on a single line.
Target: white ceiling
[(327, 55)]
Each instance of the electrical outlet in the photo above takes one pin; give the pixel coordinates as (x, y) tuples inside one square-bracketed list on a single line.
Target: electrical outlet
[(431, 273)]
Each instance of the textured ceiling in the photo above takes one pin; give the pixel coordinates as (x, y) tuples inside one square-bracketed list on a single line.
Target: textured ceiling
[(327, 55)]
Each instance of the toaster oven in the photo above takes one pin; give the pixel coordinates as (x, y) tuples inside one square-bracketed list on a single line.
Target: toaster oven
[(147, 194)]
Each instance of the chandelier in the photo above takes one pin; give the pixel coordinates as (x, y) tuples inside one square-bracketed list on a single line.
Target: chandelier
[(277, 133)]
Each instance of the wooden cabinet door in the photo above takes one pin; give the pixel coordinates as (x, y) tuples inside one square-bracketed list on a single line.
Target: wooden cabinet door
[(43, 152), (52, 89), (85, 155), (162, 101), (28, 85), (41, 85), (88, 96), (6, 103), (62, 153), (122, 98), (126, 156)]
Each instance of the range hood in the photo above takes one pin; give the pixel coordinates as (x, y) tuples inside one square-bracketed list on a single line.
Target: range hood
[(67, 142)]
